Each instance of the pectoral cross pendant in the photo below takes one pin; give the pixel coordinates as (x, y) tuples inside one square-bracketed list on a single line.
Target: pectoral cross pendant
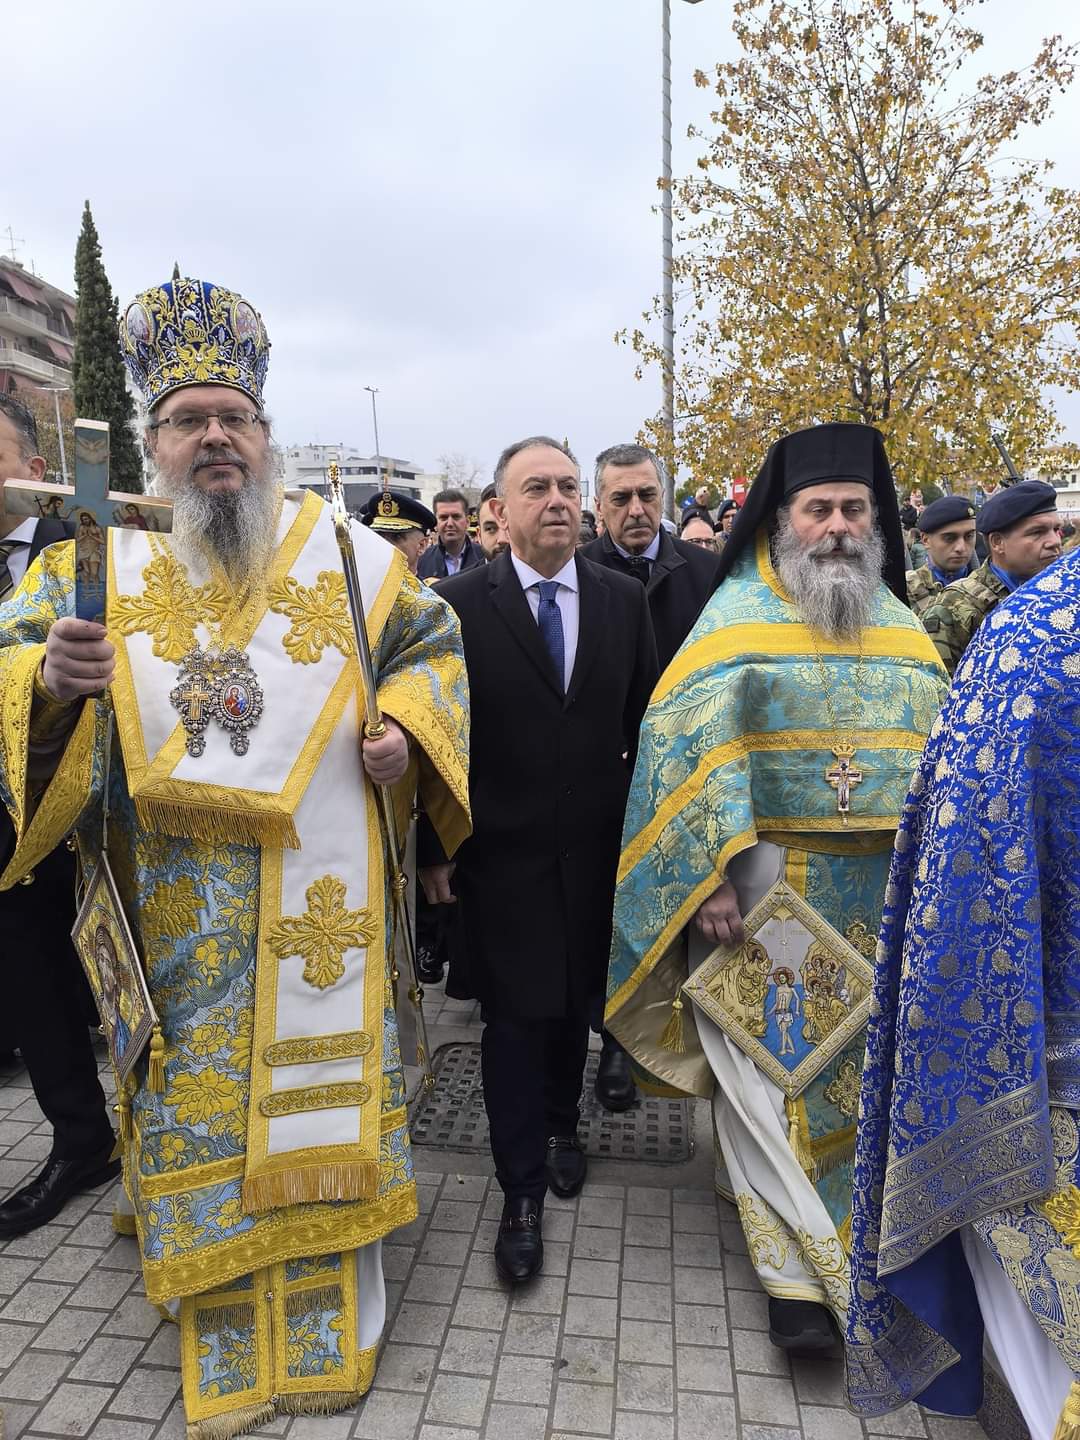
[(217, 686), (841, 776)]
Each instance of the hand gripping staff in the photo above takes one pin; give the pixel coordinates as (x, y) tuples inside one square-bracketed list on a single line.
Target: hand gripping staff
[(374, 727)]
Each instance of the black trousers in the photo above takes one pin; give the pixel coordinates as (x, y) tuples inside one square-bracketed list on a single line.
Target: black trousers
[(50, 1008), (532, 1072)]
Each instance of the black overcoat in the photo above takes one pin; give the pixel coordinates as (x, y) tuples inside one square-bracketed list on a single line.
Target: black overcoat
[(548, 778), (681, 579)]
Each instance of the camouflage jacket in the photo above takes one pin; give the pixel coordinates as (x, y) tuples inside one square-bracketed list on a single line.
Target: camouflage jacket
[(922, 588), (954, 615)]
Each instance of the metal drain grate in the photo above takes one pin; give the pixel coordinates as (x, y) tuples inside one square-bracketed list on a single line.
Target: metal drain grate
[(452, 1116)]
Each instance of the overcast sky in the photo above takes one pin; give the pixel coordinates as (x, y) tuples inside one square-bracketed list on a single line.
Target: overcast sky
[(449, 201)]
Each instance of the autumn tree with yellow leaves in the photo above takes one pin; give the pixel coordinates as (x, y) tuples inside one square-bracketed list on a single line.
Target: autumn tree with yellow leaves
[(863, 241)]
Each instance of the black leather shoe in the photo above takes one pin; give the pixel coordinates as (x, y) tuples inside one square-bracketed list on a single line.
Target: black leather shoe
[(47, 1194), (800, 1326), (565, 1166), (614, 1088), (519, 1248), (429, 968)]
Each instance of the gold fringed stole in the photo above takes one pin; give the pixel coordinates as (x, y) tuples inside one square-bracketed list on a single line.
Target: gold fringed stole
[(315, 1106)]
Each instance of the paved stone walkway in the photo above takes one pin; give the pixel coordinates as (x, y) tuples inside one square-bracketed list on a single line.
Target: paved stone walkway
[(647, 1324)]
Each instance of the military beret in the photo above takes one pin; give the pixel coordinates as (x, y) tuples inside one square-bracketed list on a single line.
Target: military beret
[(1015, 503), (946, 511), (389, 512), (725, 506)]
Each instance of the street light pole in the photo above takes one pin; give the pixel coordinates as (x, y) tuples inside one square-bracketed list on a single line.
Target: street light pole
[(56, 391), (372, 391), (668, 298)]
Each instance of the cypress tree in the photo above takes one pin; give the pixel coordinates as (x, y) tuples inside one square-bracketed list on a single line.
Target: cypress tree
[(97, 368)]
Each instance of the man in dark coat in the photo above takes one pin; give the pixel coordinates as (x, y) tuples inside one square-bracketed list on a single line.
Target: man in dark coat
[(48, 1005), (561, 663), (453, 551), (678, 579)]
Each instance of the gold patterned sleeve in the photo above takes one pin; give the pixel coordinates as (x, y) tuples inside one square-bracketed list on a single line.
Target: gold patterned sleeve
[(423, 685), (46, 750)]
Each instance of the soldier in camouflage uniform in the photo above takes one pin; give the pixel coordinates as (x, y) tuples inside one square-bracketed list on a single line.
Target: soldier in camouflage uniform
[(948, 530), (1023, 532)]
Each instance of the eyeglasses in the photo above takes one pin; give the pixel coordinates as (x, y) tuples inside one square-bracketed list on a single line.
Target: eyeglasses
[(233, 422), (704, 542)]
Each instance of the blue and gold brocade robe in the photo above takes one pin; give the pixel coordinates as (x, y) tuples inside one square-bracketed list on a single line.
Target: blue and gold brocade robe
[(194, 910), (734, 749), (971, 1091)]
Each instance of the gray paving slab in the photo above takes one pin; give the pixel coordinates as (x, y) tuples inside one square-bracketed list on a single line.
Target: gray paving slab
[(647, 1324)]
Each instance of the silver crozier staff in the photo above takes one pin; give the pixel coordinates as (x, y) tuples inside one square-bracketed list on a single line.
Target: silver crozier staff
[(374, 728)]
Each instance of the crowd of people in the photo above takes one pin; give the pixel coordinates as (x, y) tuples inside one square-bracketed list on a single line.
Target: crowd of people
[(645, 763)]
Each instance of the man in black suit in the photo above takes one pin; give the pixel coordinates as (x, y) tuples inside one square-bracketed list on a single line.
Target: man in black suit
[(561, 663), (678, 579), (453, 552), (48, 1004)]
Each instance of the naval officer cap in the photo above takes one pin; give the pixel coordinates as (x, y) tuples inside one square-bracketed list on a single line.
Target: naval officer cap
[(389, 512), (1018, 502), (949, 510)]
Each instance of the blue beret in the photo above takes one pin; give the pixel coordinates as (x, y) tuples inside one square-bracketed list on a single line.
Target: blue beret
[(946, 511), (389, 512), (1015, 503)]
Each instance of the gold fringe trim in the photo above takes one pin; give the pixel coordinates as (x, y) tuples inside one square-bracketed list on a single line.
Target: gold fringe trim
[(123, 1224), (226, 1317), (819, 1158), (319, 1297), (343, 1180), (155, 1075), (231, 1422), (1068, 1425), (218, 826), (320, 1402), (674, 1037), (832, 1151)]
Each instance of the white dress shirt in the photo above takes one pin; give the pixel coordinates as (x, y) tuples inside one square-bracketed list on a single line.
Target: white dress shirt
[(651, 551), (18, 560), (566, 597)]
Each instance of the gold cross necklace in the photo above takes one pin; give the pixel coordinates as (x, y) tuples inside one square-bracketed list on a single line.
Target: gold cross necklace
[(843, 773)]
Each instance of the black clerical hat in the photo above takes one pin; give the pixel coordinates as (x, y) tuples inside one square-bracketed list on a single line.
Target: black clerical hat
[(820, 455)]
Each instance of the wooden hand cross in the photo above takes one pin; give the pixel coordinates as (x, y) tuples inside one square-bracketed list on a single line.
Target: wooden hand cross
[(93, 507)]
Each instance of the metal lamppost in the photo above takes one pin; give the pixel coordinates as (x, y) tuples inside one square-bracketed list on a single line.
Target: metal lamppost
[(372, 391), (668, 304), (56, 391)]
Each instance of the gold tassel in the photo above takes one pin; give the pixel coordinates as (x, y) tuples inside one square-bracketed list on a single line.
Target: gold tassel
[(123, 1110), (1068, 1425), (795, 1138), (673, 1038), (155, 1075), (218, 826), (123, 1224)]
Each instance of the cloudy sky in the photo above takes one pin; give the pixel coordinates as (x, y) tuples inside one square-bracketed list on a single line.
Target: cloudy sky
[(449, 201)]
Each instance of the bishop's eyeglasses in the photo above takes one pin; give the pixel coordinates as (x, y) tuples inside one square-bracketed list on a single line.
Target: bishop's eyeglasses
[(190, 423)]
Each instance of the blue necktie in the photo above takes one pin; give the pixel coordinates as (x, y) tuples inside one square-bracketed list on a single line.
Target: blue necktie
[(550, 621)]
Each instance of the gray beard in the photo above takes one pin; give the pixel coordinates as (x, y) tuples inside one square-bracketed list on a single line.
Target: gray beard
[(237, 528), (834, 596)]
